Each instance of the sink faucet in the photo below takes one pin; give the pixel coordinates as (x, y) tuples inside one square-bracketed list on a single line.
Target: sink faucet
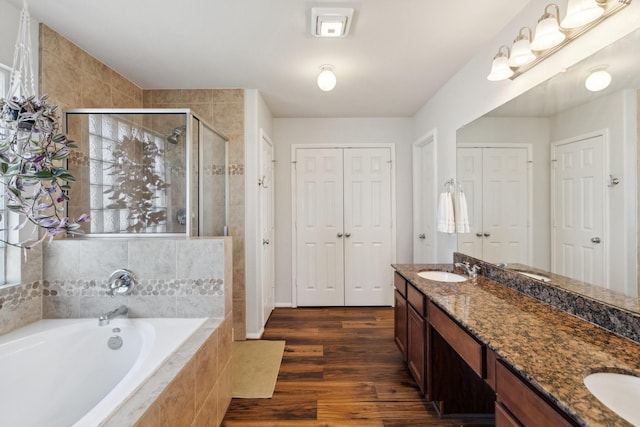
[(105, 318), (472, 270)]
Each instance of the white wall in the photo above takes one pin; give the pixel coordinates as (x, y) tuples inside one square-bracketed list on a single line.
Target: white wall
[(258, 118), (520, 130), (469, 95), (615, 113), (289, 131)]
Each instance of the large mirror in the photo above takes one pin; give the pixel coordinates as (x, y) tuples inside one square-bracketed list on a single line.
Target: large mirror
[(551, 176)]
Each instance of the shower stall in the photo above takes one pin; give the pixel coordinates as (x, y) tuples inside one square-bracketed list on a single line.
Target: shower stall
[(147, 172)]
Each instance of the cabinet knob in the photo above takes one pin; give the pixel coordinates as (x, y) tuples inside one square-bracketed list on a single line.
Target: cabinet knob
[(347, 235), (487, 234), (478, 234), (339, 235)]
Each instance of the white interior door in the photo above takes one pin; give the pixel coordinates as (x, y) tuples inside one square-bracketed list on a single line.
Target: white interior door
[(469, 175), (505, 205), (424, 193), (367, 226), (578, 243), (266, 193), (319, 254)]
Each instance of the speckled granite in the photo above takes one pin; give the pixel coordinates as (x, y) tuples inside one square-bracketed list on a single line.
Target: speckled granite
[(552, 349), (615, 312)]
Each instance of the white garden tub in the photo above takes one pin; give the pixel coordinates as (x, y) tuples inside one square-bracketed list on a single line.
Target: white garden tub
[(61, 372)]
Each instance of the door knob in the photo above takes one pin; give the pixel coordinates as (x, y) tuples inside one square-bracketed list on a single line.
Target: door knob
[(421, 236), (595, 240), (347, 235), (339, 235), (265, 241)]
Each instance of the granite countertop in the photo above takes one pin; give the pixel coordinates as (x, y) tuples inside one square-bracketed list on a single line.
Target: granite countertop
[(552, 349)]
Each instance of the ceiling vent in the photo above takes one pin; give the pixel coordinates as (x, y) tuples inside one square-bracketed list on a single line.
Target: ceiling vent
[(331, 21)]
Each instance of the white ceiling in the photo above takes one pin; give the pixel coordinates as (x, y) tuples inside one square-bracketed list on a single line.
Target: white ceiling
[(398, 54)]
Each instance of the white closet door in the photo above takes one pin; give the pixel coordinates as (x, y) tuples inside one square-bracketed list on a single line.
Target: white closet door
[(319, 221), (469, 175), (267, 266), (424, 211), (578, 211), (367, 231), (505, 205)]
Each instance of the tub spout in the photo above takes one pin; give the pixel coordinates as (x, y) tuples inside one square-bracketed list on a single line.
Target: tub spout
[(105, 318)]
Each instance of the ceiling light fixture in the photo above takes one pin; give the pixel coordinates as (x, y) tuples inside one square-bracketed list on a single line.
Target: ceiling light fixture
[(331, 21), (598, 80), (326, 78), (550, 35)]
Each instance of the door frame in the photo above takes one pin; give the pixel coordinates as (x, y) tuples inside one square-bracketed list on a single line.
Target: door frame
[(604, 133), (294, 148), (260, 267), (430, 137), (529, 148)]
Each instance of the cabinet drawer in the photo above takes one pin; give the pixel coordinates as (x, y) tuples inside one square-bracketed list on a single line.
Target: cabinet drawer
[(523, 402), (417, 300), (464, 344), (400, 284), (504, 418)]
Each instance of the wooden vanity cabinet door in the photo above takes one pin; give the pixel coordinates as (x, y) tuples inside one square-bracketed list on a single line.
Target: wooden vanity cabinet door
[(400, 323), (504, 418), (523, 403), (416, 337)]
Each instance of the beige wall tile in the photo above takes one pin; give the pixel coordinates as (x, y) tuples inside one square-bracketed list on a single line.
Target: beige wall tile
[(197, 96), (206, 369), (177, 401)]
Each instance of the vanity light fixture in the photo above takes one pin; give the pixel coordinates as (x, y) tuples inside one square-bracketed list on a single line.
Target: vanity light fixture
[(326, 78), (598, 80), (551, 35), (500, 68), (581, 12), (521, 50), (548, 32)]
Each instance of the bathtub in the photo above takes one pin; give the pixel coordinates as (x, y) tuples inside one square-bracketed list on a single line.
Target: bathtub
[(62, 372)]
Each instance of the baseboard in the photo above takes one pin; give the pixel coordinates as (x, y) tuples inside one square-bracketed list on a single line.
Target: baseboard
[(283, 305)]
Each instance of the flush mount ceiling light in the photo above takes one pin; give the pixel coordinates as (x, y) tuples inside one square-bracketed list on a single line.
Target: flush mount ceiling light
[(581, 12), (521, 50), (548, 32), (326, 78), (331, 21), (550, 35), (598, 80), (500, 69)]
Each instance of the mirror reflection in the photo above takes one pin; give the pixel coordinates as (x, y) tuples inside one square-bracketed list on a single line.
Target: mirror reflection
[(551, 176)]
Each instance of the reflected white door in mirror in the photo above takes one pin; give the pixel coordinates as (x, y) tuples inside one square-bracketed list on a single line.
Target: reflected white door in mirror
[(496, 183)]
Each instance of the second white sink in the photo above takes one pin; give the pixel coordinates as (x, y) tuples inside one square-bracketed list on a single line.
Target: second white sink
[(442, 276), (620, 392)]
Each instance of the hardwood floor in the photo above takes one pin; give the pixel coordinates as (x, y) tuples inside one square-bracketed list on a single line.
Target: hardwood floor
[(341, 367)]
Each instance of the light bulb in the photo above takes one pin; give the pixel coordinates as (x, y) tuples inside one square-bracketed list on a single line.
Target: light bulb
[(598, 80), (326, 78)]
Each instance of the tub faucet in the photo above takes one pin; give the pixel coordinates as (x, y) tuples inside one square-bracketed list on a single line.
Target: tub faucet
[(105, 318), (472, 270)]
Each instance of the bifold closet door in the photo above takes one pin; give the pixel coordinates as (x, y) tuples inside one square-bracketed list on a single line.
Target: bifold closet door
[(343, 227)]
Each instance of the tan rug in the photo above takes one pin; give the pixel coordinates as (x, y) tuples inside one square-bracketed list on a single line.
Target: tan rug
[(255, 368)]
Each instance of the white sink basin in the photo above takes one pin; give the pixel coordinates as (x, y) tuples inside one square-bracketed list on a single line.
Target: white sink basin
[(535, 276), (619, 392), (442, 276)]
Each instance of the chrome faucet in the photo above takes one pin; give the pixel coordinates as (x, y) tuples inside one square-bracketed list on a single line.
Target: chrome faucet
[(472, 270), (105, 318)]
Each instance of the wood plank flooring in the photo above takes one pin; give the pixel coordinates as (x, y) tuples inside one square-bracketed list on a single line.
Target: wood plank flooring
[(341, 367)]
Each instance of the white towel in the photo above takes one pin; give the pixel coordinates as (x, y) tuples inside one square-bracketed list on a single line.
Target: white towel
[(461, 214), (446, 218)]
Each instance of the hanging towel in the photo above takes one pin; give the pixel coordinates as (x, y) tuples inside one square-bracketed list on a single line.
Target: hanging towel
[(461, 214), (446, 218)]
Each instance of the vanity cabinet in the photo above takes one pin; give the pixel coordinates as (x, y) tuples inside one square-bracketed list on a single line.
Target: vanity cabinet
[(411, 328), (517, 404)]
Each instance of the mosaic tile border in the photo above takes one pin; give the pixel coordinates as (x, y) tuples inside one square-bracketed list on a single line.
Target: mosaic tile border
[(13, 296), (174, 287), (611, 318)]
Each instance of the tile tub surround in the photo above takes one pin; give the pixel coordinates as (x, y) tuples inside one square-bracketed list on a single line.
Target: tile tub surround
[(20, 305), (176, 277), (192, 388), (617, 313), (552, 349)]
